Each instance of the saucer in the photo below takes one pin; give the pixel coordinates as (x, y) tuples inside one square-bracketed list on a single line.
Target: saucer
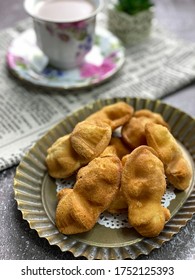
[(102, 62)]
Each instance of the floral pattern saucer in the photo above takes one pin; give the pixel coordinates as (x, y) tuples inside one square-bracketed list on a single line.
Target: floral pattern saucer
[(28, 63)]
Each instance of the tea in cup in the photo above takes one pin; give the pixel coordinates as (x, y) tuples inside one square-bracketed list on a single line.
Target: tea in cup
[(65, 29)]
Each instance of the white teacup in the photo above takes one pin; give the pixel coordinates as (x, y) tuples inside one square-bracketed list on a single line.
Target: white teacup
[(64, 29)]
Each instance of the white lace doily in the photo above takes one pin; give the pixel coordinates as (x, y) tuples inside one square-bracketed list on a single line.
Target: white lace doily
[(114, 221)]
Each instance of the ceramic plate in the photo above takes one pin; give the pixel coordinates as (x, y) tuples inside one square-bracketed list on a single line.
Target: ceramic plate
[(102, 62), (35, 191)]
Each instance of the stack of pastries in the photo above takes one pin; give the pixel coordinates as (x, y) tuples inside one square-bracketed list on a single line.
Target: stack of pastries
[(121, 158)]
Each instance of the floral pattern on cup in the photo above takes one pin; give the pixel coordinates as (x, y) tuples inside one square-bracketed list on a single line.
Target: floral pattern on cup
[(74, 39), (66, 31), (78, 30), (59, 36)]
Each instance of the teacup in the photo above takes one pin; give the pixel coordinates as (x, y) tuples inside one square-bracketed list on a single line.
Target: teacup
[(65, 29)]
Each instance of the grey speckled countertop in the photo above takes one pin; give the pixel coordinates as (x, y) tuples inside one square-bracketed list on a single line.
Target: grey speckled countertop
[(17, 240)]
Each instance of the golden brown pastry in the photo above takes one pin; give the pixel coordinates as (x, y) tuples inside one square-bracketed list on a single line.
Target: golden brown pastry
[(143, 185), (74, 214), (119, 204), (97, 183), (62, 160), (115, 115), (133, 132), (116, 147), (90, 139), (177, 169), (70, 152), (87, 140)]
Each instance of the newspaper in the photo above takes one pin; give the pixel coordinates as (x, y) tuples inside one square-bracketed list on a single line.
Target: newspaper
[(153, 69)]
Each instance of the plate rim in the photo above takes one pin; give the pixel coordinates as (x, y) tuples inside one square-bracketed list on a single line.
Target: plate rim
[(78, 248)]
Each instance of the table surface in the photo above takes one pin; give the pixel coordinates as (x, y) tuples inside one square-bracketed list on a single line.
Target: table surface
[(17, 240)]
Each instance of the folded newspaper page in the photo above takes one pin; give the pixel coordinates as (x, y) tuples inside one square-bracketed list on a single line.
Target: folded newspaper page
[(153, 69)]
